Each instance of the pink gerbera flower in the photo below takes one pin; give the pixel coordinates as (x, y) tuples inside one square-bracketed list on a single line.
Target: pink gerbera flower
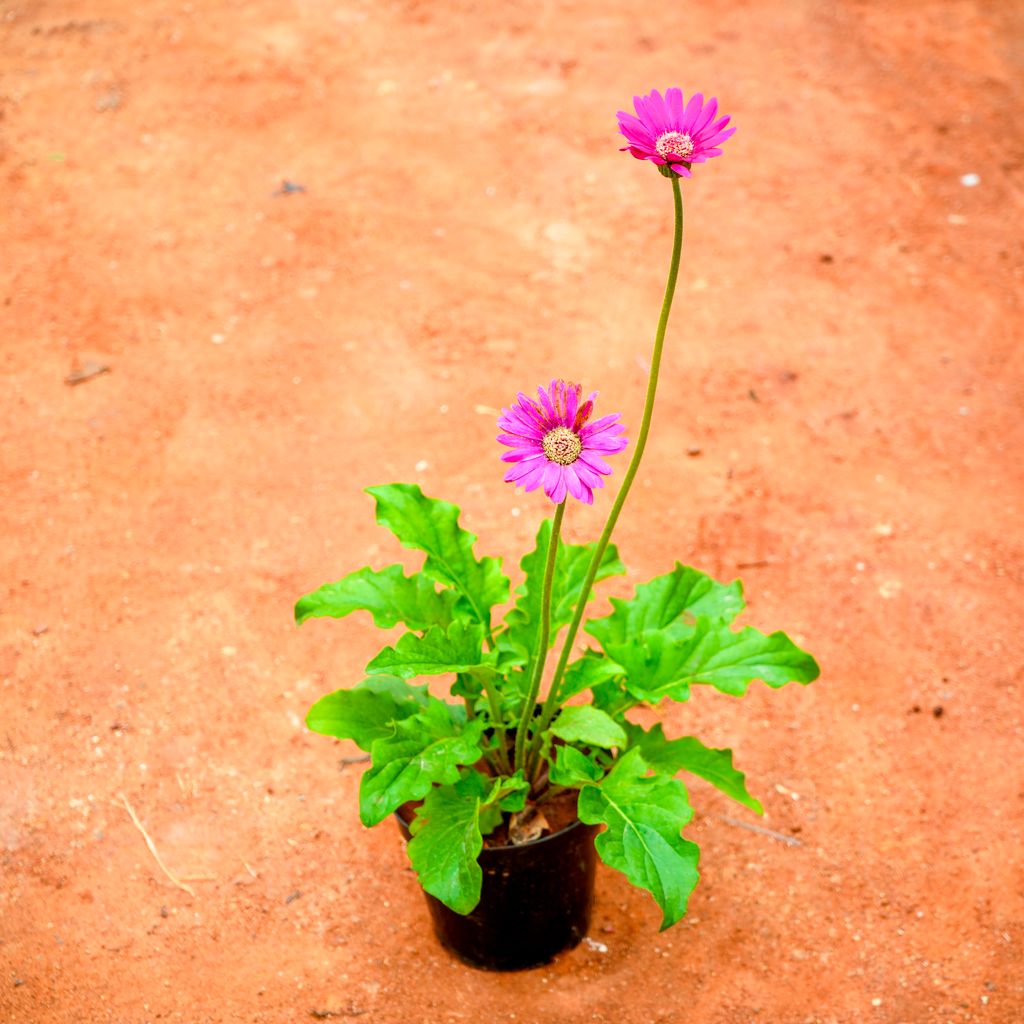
[(553, 444), (672, 135)]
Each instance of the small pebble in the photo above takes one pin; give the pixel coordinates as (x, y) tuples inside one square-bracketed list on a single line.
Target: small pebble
[(109, 101), (970, 180)]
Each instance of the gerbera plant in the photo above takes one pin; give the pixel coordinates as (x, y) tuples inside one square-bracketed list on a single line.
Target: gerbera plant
[(518, 748)]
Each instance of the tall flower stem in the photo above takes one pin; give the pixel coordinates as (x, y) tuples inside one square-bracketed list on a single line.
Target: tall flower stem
[(551, 703), (542, 640), (500, 749)]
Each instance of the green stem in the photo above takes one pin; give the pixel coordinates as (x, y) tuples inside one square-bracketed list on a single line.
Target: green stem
[(494, 700), (542, 641), (551, 704)]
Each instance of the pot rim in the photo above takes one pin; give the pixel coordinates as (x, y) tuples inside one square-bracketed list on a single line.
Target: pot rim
[(511, 848)]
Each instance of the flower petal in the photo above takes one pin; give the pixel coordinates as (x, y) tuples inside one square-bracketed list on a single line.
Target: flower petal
[(692, 111), (674, 102), (635, 130), (651, 109), (521, 455), (598, 425), (529, 410), (573, 483), (586, 474), (594, 461), (518, 422), (524, 468), (572, 398), (706, 115), (535, 477), (714, 140), (514, 440), (546, 402), (607, 446), (554, 482)]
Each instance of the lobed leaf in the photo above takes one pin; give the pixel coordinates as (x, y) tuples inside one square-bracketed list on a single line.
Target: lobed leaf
[(388, 595), (426, 748), (459, 648), (585, 673), (506, 794), (613, 698), (677, 598), (448, 830), (660, 664), (432, 526), (588, 726), (667, 757), (643, 815), (572, 768), (368, 711), (446, 842), (654, 663)]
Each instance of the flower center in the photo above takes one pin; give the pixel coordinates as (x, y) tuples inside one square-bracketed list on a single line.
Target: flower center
[(563, 446), (677, 144)]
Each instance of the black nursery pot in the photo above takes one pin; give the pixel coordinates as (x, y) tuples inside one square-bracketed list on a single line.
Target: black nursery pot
[(535, 902)]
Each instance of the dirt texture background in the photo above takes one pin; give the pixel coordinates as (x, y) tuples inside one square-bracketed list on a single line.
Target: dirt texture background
[(845, 354)]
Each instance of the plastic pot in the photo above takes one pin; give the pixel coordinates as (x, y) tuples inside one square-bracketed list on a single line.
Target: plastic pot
[(535, 902)]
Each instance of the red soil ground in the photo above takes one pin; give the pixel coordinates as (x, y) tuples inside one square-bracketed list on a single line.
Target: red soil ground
[(845, 354)]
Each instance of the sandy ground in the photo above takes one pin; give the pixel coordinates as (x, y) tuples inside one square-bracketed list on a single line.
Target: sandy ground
[(845, 354)]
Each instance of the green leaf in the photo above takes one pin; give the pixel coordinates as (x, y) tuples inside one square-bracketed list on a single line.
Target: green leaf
[(730, 661), (368, 711), (585, 673), (573, 768), (506, 794), (613, 698), (643, 816), (446, 842), (457, 649), (688, 754), (676, 599), (426, 748), (447, 834), (571, 566), (433, 526), (510, 793), (667, 664), (509, 655), (654, 664), (589, 727), (388, 595)]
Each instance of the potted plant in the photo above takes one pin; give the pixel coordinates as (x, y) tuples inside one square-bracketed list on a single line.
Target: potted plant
[(506, 790)]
